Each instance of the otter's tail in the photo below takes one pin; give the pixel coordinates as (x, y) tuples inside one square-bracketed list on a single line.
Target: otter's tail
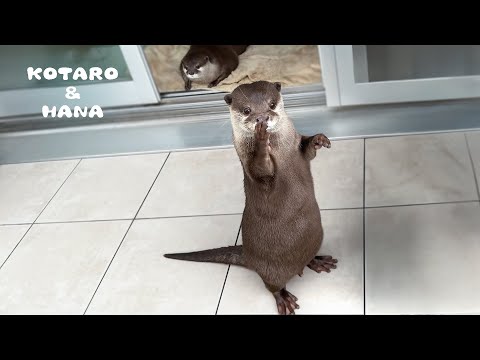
[(224, 255)]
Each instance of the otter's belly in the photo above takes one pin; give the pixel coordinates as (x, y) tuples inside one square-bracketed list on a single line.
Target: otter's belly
[(288, 240)]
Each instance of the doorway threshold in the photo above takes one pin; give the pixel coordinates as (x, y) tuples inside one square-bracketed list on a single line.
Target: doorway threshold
[(177, 128)]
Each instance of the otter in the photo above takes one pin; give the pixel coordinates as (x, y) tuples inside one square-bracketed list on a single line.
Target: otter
[(209, 64), (281, 225)]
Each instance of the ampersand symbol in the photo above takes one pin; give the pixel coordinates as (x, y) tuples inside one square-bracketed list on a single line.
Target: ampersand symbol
[(72, 93)]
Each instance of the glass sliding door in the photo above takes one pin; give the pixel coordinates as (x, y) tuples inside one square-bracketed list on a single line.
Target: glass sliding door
[(376, 74), (291, 65), (132, 85)]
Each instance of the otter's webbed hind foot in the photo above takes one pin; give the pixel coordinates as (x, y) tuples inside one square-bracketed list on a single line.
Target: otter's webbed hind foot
[(322, 263), (286, 302)]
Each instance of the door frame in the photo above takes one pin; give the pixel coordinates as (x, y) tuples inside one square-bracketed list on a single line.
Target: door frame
[(340, 66)]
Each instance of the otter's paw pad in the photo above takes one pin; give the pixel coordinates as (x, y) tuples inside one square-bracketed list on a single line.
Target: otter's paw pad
[(321, 140), (286, 302), (323, 263)]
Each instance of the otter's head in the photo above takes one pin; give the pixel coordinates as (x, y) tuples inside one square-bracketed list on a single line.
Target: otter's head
[(256, 102), (194, 65)]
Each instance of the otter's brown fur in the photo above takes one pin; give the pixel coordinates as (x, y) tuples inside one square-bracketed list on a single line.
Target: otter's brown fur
[(281, 226), (209, 64)]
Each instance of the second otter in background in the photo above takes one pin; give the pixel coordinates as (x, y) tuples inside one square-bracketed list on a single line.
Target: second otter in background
[(209, 64)]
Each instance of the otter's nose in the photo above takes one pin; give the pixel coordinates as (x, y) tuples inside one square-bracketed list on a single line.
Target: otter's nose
[(190, 72), (263, 118)]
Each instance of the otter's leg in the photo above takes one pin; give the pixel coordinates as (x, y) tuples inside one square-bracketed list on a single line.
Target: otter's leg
[(310, 144), (286, 302), (217, 81), (186, 80), (261, 164), (322, 263), (226, 71)]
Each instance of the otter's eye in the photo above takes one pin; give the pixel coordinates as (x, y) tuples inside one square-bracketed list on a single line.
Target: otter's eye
[(197, 67), (247, 111), (272, 105)]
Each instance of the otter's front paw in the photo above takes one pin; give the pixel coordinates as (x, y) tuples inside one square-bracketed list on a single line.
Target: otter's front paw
[(261, 132), (320, 140), (262, 136), (188, 85)]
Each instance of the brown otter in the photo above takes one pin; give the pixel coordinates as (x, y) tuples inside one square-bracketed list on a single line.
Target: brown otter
[(281, 226), (209, 64)]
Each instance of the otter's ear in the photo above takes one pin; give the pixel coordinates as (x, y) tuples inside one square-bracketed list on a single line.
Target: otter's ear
[(278, 86), (228, 99), (206, 58)]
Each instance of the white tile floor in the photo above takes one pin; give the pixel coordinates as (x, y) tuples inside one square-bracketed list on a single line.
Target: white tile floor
[(88, 236)]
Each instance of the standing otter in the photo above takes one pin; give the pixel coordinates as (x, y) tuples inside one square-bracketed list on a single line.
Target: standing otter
[(281, 225), (209, 64)]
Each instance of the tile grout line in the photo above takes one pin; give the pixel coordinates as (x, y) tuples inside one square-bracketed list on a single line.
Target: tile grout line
[(121, 219), (80, 221), (139, 153), (231, 214), (155, 217), (236, 213), (422, 204), (184, 216), (34, 221), (151, 187), (125, 235), (17, 224), (364, 251), (226, 275), (473, 166)]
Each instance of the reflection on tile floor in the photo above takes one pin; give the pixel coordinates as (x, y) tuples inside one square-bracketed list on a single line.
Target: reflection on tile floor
[(56, 267), (85, 252), (423, 259), (105, 188), (418, 169), (142, 281)]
